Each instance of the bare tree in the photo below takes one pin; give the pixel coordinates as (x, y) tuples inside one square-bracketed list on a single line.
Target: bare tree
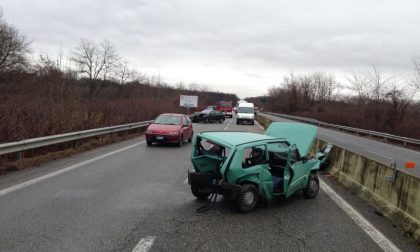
[(324, 86), (416, 81), (123, 72), (194, 87), (371, 84), (306, 87), (13, 48), (110, 57), (94, 60), (291, 85), (46, 65), (400, 102)]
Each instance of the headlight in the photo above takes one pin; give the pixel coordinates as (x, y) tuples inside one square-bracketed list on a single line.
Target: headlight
[(149, 131)]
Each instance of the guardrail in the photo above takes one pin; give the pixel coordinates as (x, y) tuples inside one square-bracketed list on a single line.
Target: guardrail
[(386, 136), (23, 145)]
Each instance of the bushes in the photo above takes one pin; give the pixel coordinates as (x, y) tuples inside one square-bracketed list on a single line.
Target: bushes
[(34, 105)]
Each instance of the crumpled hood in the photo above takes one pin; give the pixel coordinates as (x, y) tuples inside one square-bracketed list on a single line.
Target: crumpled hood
[(301, 134)]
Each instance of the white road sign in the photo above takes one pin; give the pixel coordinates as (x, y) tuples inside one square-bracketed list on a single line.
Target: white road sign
[(188, 101)]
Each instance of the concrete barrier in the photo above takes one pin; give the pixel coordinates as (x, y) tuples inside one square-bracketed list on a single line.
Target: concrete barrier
[(398, 201)]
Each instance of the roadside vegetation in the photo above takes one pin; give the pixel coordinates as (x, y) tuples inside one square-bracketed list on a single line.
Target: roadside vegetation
[(378, 102), (94, 88)]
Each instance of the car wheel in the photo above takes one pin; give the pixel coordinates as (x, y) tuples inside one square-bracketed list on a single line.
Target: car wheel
[(252, 122), (237, 122), (199, 193), (149, 143), (312, 188), (247, 198), (180, 141), (190, 139)]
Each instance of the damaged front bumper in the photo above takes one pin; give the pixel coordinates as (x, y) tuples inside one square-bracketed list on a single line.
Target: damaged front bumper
[(211, 183)]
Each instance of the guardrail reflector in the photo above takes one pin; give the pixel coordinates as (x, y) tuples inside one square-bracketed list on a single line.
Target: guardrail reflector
[(410, 165)]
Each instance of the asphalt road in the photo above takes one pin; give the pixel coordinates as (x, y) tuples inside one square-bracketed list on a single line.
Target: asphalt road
[(127, 192), (382, 152)]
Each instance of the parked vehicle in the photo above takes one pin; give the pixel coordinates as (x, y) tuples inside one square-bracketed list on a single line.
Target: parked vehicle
[(248, 167), (170, 128), (226, 107), (208, 115), (245, 113)]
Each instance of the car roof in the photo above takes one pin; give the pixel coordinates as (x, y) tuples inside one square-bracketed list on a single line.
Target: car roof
[(246, 104), (230, 139)]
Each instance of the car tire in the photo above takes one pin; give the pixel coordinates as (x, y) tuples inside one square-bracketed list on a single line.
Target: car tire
[(312, 187), (180, 141), (247, 198), (252, 123), (149, 143), (199, 193), (237, 122), (190, 139)]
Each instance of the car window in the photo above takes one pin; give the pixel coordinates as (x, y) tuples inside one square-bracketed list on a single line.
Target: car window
[(205, 147), (245, 110), (278, 147), (168, 119), (294, 155), (184, 121), (278, 154), (253, 156), (188, 120)]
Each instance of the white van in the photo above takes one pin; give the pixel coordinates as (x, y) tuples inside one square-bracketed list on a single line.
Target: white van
[(245, 113)]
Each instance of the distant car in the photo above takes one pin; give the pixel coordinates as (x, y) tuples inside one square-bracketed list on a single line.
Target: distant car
[(208, 115), (245, 113), (170, 128)]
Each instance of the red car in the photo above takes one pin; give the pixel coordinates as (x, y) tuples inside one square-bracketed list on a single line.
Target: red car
[(170, 128)]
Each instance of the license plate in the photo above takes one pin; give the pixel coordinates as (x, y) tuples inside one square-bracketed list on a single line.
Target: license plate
[(159, 137)]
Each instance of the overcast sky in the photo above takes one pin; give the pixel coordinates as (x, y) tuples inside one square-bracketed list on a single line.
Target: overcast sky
[(240, 46)]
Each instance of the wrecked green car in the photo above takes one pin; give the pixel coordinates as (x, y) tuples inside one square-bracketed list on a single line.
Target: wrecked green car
[(248, 167)]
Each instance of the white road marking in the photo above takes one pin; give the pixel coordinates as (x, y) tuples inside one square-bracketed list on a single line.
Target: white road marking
[(379, 154), (144, 244), (186, 180), (259, 125), (64, 170), (384, 243), (227, 126), (404, 149)]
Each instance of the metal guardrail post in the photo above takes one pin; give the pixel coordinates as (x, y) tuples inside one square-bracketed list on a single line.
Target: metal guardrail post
[(394, 175)]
